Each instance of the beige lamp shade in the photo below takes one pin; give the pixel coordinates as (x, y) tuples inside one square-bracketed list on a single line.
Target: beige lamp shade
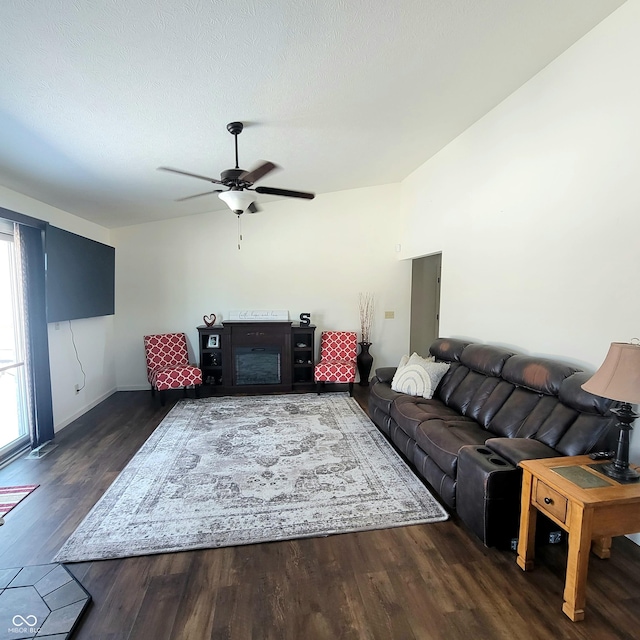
[(618, 378)]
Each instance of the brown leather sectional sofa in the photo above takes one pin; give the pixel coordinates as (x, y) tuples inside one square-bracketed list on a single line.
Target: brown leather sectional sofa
[(492, 409)]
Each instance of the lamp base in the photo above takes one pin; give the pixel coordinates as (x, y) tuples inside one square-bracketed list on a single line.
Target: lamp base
[(619, 473), (618, 468)]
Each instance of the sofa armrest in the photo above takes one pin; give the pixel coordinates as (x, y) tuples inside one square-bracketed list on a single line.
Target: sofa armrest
[(516, 449), (488, 495), (385, 374)]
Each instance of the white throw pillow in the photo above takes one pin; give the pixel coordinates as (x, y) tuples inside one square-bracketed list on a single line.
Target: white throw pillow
[(419, 360), (414, 359), (419, 379)]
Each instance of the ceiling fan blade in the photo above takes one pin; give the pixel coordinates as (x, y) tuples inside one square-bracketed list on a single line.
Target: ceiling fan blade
[(206, 193), (253, 208), (285, 192), (258, 172), (192, 175)]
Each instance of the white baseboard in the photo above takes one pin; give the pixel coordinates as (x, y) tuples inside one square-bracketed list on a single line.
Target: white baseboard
[(67, 421), (135, 387)]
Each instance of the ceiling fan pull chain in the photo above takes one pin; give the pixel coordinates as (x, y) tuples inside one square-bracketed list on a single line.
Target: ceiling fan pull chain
[(239, 233)]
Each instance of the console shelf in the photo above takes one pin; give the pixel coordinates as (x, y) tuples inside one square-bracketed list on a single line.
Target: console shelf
[(302, 339)]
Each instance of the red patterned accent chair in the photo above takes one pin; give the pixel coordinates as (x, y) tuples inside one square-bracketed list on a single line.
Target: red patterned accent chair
[(168, 364), (338, 351)]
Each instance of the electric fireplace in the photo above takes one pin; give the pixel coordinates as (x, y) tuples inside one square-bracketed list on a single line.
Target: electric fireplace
[(259, 356), (257, 365)]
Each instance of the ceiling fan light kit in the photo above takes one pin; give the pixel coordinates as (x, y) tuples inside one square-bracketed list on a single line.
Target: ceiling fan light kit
[(237, 201), (239, 182)]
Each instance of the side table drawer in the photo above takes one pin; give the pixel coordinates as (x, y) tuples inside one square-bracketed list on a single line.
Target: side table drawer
[(549, 500)]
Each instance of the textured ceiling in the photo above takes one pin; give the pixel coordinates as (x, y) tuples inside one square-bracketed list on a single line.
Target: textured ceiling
[(95, 95)]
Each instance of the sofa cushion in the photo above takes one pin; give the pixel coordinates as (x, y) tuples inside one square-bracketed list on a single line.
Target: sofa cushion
[(551, 430), (440, 481), (472, 392), (385, 374), (448, 349), (579, 420), (512, 415), (588, 433), (408, 412), (442, 441), (485, 359), (470, 383), (537, 374), (516, 449), (484, 410), (573, 395), (381, 395), (451, 381)]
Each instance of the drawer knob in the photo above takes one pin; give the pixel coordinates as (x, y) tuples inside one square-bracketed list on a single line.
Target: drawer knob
[(548, 501)]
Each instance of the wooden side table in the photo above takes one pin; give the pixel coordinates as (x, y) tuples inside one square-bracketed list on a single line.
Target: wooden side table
[(590, 506)]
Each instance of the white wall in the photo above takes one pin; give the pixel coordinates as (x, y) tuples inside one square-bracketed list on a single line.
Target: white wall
[(302, 256), (536, 208), (94, 342), (93, 336)]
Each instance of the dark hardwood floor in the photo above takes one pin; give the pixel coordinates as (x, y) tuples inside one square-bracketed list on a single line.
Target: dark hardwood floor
[(424, 582)]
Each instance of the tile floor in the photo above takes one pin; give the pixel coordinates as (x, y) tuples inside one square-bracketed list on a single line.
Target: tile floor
[(43, 601)]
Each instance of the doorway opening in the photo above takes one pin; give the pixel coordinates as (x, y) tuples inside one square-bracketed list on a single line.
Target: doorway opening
[(425, 303)]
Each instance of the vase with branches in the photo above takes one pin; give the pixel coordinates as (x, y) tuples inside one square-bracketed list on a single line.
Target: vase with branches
[(367, 307), (365, 359)]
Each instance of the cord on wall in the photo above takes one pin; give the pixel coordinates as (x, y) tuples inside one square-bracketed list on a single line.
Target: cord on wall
[(84, 375)]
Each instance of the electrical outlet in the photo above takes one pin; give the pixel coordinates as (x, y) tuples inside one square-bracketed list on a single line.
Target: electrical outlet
[(555, 537), (514, 544), (77, 388), (389, 315)]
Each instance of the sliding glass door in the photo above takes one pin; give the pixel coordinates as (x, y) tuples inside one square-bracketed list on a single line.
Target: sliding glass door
[(14, 424)]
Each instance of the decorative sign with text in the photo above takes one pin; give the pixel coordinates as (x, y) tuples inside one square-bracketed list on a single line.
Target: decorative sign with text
[(253, 315)]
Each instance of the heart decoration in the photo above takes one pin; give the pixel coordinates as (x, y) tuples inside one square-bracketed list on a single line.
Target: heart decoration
[(209, 320)]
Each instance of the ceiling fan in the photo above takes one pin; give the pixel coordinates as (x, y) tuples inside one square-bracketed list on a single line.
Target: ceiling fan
[(239, 183)]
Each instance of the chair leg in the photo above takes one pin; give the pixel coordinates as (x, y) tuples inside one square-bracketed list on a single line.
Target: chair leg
[(153, 392), (196, 390), (318, 387), (163, 398), (185, 391), (351, 389)]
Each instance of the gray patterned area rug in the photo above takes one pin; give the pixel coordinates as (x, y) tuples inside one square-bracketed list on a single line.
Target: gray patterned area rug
[(239, 470)]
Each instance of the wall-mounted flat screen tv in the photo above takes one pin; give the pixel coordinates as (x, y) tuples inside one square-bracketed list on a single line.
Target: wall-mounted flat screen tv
[(80, 276)]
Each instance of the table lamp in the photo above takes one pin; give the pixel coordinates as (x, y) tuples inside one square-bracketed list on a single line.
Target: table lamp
[(618, 378)]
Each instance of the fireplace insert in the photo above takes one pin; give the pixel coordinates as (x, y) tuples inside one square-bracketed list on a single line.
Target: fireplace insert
[(257, 365)]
